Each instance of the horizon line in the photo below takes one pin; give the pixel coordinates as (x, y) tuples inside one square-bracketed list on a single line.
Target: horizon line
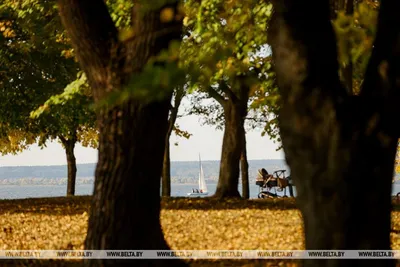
[(87, 163)]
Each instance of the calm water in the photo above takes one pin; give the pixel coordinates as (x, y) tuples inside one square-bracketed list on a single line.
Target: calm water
[(34, 191)]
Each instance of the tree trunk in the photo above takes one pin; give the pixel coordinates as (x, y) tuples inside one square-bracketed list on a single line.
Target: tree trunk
[(166, 170), (340, 148), (244, 168), (232, 147), (71, 163), (125, 208), (126, 203), (69, 146)]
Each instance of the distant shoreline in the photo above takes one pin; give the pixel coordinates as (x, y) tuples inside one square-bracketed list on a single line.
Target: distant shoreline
[(94, 163)]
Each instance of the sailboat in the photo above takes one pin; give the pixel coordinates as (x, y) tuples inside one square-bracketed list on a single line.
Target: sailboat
[(202, 191)]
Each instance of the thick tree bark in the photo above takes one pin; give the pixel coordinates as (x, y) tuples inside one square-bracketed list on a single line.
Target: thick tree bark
[(244, 168), (337, 145), (232, 147), (166, 170), (69, 146), (126, 202)]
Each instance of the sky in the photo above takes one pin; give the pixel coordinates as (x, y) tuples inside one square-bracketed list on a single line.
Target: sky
[(205, 140)]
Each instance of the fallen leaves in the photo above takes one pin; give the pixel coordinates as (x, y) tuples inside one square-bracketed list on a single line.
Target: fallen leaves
[(61, 223)]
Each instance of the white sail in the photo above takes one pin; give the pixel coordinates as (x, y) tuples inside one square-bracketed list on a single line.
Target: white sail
[(202, 191), (202, 181)]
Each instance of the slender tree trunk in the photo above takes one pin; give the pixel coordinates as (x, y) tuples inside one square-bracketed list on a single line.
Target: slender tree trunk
[(339, 147), (166, 170), (126, 201), (232, 147), (69, 146), (244, 168), (71, 163)]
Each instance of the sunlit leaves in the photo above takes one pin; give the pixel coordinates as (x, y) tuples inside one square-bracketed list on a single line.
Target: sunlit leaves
[(70, 114), (224, 40), (159, 77), (355, 36)]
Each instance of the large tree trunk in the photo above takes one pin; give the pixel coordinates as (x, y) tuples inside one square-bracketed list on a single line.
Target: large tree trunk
[(340, 148), (232, 147), (244, 168), (126, 202)]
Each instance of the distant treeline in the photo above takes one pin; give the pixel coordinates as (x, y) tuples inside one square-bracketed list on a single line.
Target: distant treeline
[(181, 171)]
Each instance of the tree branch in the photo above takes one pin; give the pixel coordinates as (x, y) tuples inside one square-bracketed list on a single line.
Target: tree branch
[(93, 36), (224, 87), (214, 94), (63, 140)]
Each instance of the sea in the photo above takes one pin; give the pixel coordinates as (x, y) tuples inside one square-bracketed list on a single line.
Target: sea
[(177, 190)]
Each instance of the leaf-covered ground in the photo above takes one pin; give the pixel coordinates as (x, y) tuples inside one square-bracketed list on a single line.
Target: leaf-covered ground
[(60, 223)]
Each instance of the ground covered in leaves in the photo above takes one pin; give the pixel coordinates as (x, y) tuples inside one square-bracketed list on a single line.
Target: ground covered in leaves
[(60, 223)]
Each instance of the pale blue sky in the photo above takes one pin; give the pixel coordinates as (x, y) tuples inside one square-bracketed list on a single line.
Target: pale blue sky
[(205, 140)]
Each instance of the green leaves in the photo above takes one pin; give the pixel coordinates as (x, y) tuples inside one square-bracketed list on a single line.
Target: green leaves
[(355, 36), (161, 75)]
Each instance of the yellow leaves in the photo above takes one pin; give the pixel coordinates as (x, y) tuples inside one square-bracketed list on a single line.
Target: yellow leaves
[(61, 223), (15, 141), (186, 21), (397, 161), (88, 137), (126, 34), (6, 30), (246, 61), (68, 53), (167, 15)]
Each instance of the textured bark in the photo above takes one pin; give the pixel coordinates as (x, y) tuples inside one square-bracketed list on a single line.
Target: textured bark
[(126, 202), (235, 110), (337, 145), (244, 168), (232, 146)]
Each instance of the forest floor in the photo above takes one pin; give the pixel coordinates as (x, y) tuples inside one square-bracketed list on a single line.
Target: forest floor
[(188, 224)]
